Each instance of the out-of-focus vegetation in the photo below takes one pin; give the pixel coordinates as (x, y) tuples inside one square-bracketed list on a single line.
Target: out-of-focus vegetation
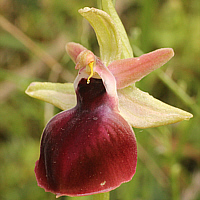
[(32, 49)]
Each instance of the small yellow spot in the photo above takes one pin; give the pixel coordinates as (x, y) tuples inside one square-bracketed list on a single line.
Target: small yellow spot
[(103, 183), (91, 71)]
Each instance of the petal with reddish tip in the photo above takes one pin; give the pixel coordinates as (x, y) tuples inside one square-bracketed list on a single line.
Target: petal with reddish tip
[(130, 70), (88, 149)]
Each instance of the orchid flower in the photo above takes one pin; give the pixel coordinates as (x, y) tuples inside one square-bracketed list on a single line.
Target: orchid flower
[(90, 147)]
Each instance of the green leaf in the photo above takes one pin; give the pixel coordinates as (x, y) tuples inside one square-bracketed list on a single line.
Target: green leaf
[(61, 95), (106, 32), (142, 110), (108, 7)]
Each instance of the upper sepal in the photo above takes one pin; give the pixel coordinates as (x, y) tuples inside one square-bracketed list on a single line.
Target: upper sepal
[(108, 7), (107, 34)]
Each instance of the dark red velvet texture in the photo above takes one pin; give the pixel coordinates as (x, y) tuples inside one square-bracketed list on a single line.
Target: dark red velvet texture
[(88, 149)]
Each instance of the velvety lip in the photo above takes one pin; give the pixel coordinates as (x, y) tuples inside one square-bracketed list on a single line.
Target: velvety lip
[(88, 149)]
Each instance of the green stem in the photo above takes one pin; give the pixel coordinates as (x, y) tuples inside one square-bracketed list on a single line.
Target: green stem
[(175, 87), (178, 91), (101, 196)]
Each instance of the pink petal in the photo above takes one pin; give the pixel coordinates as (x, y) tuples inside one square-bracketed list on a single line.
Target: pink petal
[(74, 49), (128, 71), (88, 149)]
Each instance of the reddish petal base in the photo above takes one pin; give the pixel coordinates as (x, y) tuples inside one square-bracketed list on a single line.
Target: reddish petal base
[(86, 151)]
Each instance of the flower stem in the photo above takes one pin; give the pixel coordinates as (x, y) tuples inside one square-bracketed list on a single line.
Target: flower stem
[(101, 196)]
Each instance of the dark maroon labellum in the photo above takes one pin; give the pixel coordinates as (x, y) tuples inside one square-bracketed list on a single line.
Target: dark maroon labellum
[(88, 149)]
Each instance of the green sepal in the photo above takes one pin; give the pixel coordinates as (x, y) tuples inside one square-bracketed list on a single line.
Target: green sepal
[(107, 34), (61, 95), (108, 7), (142, 110)]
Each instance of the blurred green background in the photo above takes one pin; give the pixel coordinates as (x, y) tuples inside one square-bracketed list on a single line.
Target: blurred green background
[(33, 34)]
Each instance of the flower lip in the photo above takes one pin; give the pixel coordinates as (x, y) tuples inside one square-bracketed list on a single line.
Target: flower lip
[(88, 149)]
